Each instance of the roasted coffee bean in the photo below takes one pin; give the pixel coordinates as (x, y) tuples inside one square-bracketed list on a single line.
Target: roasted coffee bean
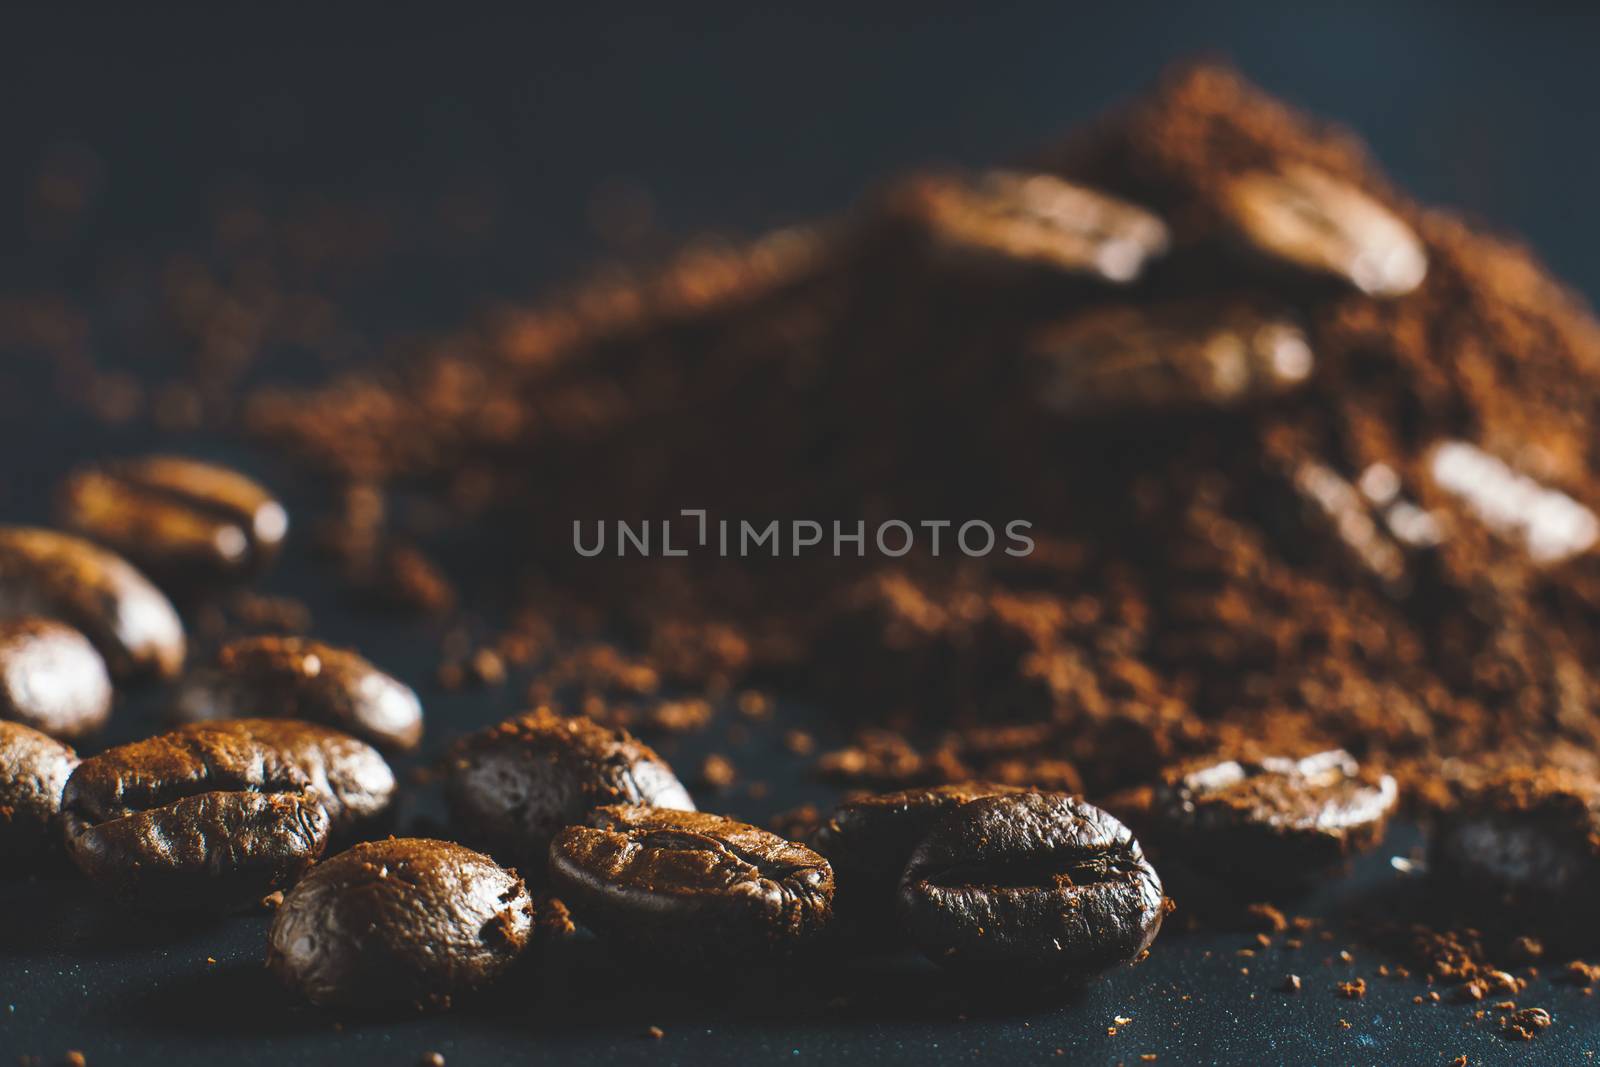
[(689, 887), (351, 779), (401, 923), (58, 576), (1166, 356), (1274, 822), (1036, 885), (52, 679), (1317, 222), (1522, 844), (178, 518), (1336, 510), (211, 820), (869, 840), (514, 785), (33, 771), (1008, 217), (297, 678), (1545, 523)]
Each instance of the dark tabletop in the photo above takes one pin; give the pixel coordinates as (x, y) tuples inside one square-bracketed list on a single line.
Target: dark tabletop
[(736, 120)]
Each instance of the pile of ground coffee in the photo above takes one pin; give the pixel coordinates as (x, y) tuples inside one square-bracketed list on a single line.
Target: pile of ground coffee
[(1305, 463)]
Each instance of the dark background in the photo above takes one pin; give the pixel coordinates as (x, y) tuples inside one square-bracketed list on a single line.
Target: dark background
[(731, 119), (738, 118)]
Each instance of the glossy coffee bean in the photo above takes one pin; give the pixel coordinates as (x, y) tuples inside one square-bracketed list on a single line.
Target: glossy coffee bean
[(297, 678), (691, 888), (869, 840), (352, 781), (401, 923), (178, 518), (192, 821), (1167, 356), (57, 576), (1310, 219), (514, 785), (52, 679), (1274, 822), (1520, 846), (1001, 218), (1040, 886), (33, 771)]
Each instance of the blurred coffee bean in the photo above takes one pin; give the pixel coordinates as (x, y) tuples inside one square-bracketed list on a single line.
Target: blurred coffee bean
[(33, 770), (401, 923), (1342, 516), (515, 784), (1272, 823), (691, 888), (1317, 222), (58, 576), (353, 782), (1167, 356), (52, 679), (1001, 218), (181, 519), (209, 821), (1520, 848), (1544, 522), (298, 678), (1031, 886), (868, 841)]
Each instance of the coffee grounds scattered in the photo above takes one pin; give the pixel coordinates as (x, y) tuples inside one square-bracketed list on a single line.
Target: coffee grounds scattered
[(1273, 570)]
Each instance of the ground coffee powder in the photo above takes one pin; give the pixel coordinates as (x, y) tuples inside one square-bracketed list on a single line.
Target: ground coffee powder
[(1372, 536)]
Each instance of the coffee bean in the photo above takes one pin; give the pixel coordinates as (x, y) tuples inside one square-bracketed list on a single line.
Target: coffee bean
[(1036, 885), (1315, 221), (1274, 822), (58, 576), (869, 840), (401, 923), (1336, 515), (1521, 844), (52, 679), (297, 678), (33, 770), (1002, 218), (1187, 355), (514, 785), (690, 887), (178, 518), (211, 820), (352, 781)]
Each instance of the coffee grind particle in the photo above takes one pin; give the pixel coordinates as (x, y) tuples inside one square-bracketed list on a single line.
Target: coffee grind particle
[(1354, 989), (716, 772), (1524, 1025)]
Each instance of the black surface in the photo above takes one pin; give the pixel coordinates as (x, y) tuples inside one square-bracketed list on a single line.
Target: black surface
[(735, 120)]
